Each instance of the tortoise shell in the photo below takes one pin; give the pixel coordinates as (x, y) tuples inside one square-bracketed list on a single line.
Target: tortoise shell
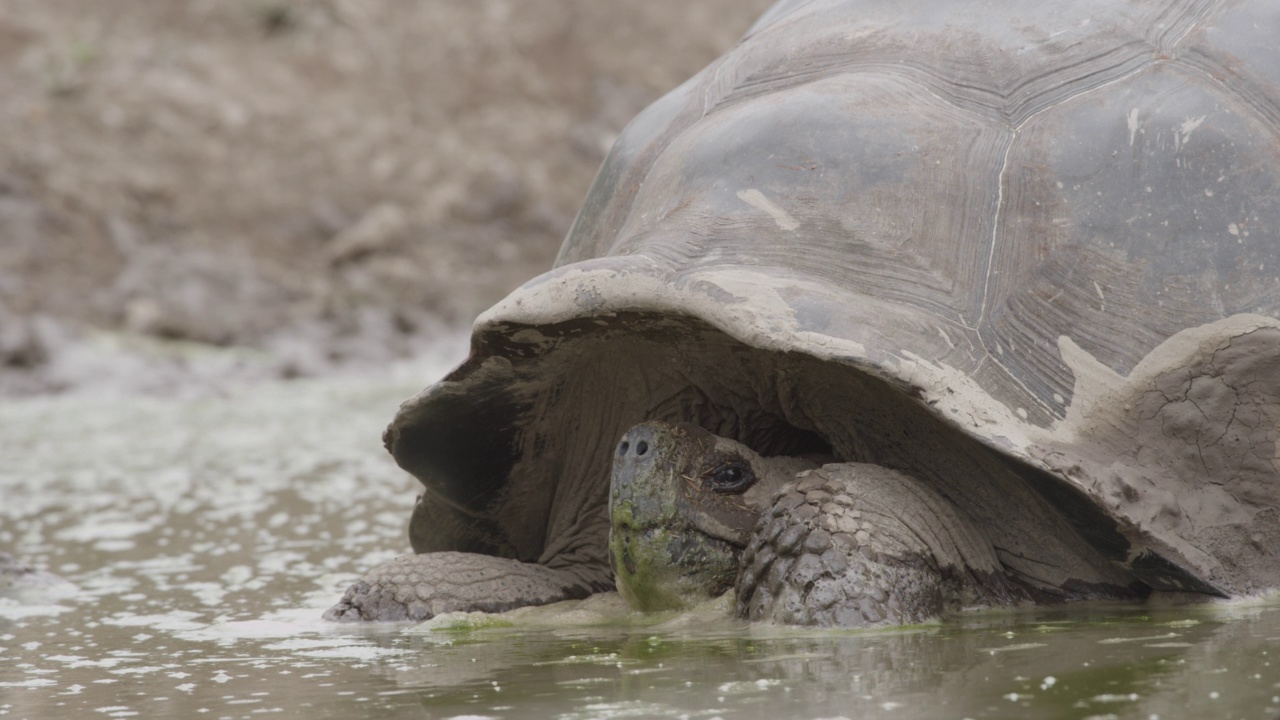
[(1028, 253)]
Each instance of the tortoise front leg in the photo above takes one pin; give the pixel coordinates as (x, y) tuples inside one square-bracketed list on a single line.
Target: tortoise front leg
[(419, 587), (856, 545)]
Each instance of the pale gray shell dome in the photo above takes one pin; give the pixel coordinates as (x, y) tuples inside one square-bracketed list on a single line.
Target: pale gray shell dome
[(1028, 252)]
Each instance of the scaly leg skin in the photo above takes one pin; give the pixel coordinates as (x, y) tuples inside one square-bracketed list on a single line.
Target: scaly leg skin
[(856, 545), (419, 587)]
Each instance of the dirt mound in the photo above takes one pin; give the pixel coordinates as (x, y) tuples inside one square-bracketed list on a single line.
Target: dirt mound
[(310, 184)]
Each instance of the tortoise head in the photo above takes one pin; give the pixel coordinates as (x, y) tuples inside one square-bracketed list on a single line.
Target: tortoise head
[(682, 506)]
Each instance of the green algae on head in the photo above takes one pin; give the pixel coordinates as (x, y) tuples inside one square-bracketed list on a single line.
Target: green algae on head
[(682, 504), (661, 568)]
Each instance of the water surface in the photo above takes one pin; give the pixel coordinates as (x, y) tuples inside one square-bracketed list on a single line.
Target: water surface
[(206, 535)]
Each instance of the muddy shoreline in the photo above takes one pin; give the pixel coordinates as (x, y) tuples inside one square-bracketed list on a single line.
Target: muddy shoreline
[(206, 192)]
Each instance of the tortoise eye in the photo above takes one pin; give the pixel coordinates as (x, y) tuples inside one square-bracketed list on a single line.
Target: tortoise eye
[(731, 477)]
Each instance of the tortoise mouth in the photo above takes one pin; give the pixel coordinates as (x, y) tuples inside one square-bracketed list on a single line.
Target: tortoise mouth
[(659, 567)]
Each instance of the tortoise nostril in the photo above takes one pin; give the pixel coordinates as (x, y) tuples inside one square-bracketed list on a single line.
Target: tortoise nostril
[(624, 447), (642, 447)]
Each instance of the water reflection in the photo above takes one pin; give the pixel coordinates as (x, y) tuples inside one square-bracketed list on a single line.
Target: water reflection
[(207, 535), (1098, 661)]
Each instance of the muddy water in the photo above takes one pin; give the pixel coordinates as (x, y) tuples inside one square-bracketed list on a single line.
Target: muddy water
[(207, 535)]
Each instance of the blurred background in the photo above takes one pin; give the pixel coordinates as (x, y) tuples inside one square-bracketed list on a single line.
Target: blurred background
[(197, 192)]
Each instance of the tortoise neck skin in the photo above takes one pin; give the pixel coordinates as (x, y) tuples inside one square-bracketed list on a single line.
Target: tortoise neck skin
[(682, 505)]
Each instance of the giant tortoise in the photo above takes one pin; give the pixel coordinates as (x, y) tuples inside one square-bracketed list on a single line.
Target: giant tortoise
[(896, 308)]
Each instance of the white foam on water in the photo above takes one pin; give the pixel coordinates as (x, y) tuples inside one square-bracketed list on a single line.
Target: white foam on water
[(74, 662), (32, 683), (355, 652), (174, 621), (14, 610)]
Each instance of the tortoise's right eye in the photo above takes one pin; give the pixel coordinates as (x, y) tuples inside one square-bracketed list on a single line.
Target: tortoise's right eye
[(731, 477)]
